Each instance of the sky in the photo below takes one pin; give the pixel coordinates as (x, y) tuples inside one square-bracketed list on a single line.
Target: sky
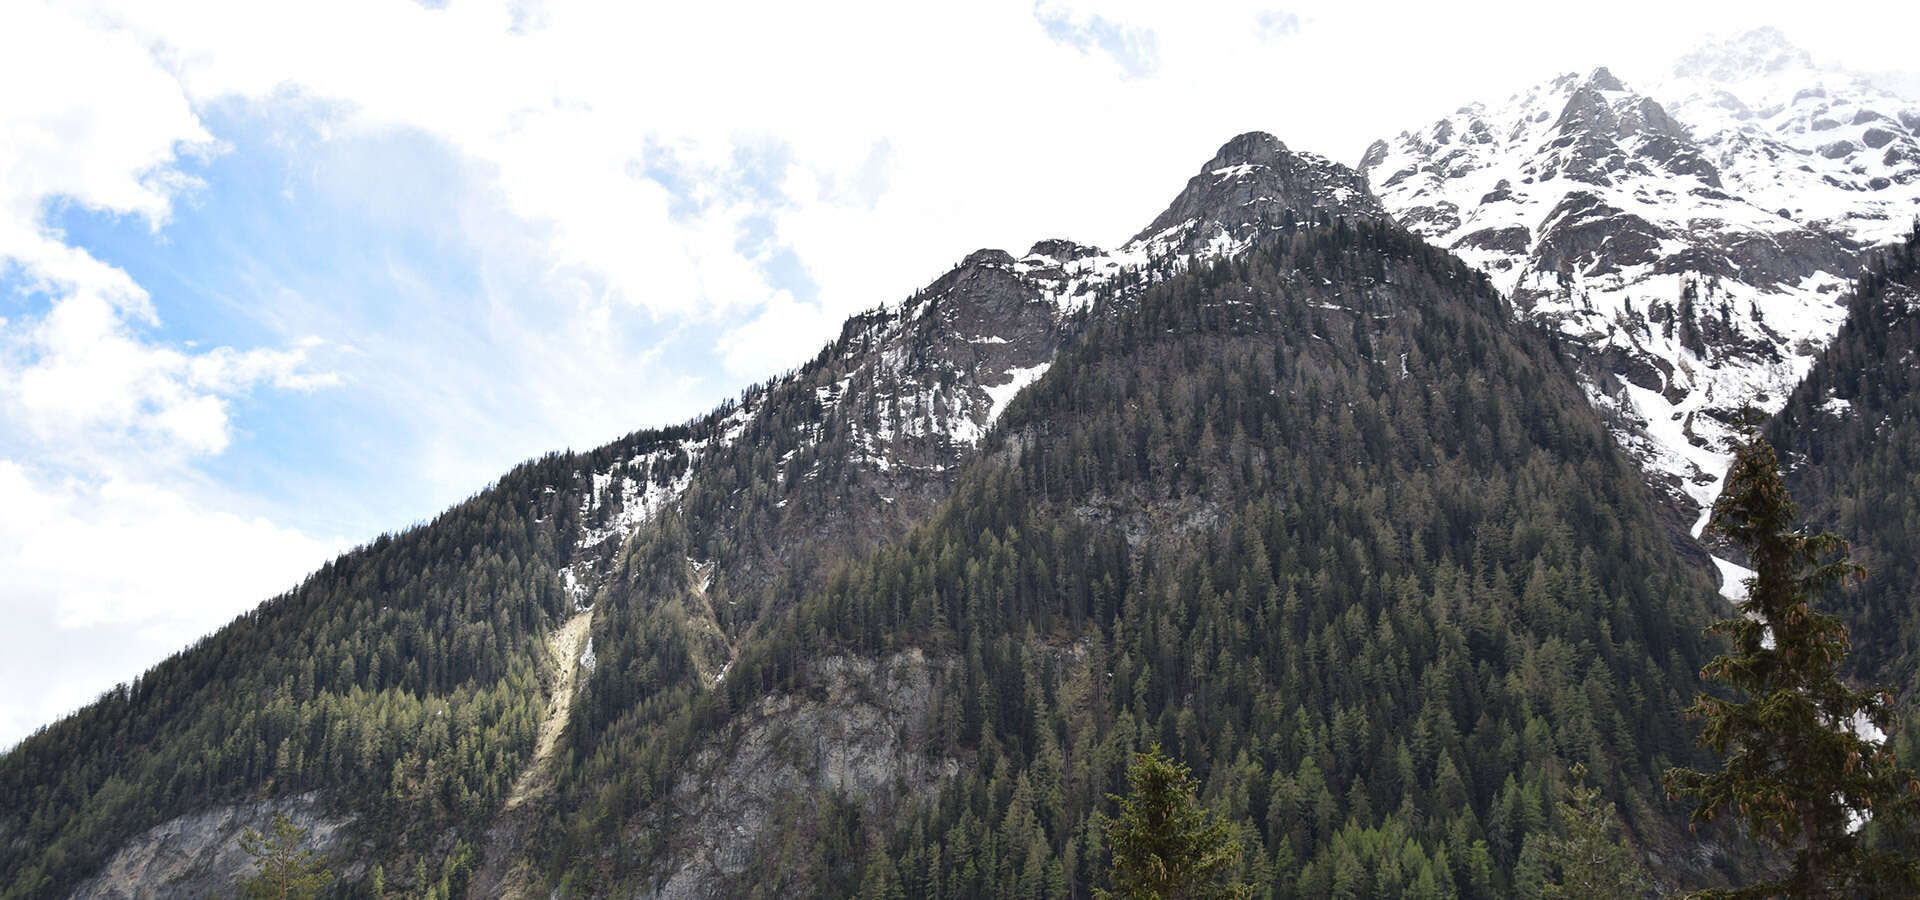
[(277, 278)]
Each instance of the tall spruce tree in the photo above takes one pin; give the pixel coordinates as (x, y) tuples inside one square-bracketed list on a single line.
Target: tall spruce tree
[(1166, 846), (1798, 771)]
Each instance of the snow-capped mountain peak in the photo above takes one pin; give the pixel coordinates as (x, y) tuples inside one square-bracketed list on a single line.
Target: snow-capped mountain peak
[(1692, 241)]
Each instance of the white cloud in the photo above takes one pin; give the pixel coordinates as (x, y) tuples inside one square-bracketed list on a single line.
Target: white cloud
[(1002, 122), (132, 552), (104, 133), (90, 117), (1136, 50), (81, 378), (1274, 24)]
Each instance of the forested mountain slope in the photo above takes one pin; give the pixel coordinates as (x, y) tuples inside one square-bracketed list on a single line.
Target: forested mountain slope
[(1320, 519), (405, 682)]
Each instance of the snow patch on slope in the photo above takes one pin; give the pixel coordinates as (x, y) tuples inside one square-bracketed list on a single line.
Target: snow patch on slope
[(1733, 579), (1002, 394)]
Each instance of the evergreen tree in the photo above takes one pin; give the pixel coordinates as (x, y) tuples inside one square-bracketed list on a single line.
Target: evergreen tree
[(1591, 857), (288, 870), (1166, 846), (881, 881), (1798, 771)]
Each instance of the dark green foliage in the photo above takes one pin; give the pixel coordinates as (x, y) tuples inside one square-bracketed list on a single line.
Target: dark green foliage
[(882, 881), (287, 870), (1165, 845), (1797, 772)]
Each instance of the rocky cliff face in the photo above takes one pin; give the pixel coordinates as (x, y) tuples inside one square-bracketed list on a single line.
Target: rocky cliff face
[(1693, 252), (199, 855), (860, 731)]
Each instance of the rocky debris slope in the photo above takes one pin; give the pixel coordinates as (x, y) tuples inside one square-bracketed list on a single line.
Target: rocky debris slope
[(569, 652)]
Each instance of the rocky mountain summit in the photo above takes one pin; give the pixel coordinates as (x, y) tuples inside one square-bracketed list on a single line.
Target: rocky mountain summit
[(1691, 243), (1252, 186)]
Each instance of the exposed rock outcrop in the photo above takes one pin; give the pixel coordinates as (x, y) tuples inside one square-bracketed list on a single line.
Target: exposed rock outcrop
[(199, 855), (862, 730)]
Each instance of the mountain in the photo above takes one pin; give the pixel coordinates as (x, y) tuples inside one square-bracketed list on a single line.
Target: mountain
[(1692, 244), (473, 616), (1321, 519), (1850, 440), (1236, 487), (415, 692)]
